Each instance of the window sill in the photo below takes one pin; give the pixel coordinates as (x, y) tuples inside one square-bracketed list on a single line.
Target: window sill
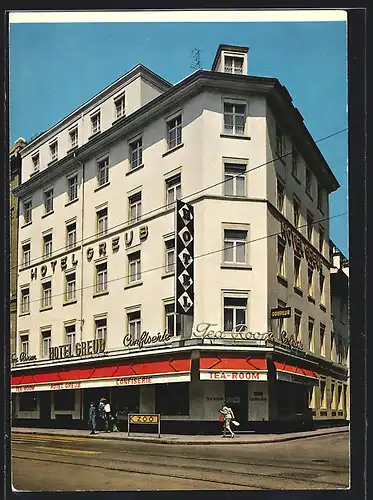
[(135, 169), (94, 135), (279, 157), (74, 148), (102, 186), (298, 290), (226, 265), (46, 215), (283, 281), (27, 224), (311, 299), (167, 275), (133, 285), (117, 120), (296, 178), (99, 294), (52, 162), (236, 136), (69, 302), (34, 173), (48, 308), (71, 202), (24, 314), (175, 148)]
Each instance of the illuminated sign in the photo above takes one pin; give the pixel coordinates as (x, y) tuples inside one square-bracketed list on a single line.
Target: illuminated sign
[(23, 357), (281, 312), (184, 252), (291, 341), (240, 332), (146, 339)]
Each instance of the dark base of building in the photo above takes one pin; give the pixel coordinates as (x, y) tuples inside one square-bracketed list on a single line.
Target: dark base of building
[(188, 427)]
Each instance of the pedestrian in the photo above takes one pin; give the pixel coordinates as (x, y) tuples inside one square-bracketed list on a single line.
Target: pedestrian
[(92, 418), (106, 412), (228, 416), (101, 412), (114, 418)]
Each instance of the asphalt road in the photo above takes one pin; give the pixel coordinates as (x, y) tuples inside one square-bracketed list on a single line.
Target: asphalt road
[(50, 463)]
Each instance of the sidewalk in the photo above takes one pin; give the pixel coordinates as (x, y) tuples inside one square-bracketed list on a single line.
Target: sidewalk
[(240, 438)]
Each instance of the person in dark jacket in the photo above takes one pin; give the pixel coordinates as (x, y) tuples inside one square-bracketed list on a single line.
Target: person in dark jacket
[(92, 418)]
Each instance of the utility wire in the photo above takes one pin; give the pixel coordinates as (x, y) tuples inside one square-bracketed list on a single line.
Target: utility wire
[(196, 257), (16, 266)]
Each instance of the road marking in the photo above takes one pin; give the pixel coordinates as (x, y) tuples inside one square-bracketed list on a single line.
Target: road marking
[(34, 437), (69, 450)]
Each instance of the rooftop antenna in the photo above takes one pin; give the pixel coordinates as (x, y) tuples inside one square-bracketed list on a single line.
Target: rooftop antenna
[(196, 59)]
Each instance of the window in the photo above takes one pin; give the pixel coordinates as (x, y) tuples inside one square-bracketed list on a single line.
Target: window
[(26, 254), (28, 401), (101, 329), (36, 162), (294, 162), (172, 399), (134, 323), (172, 320), (134, 267), (70, 293), (320, 196), (280, 197), (134, 203), (310, 282), (235, 311), (308, 181), (281, 322), (170, 255), (279, 141), (321, 239), (70, 335), (24, 344), (71, 235), (332, 395), (46, 300), (297, 324), (72, 190), (103, 171), (339, 349), (296, 212), (96, 123), (322, 393), (27, 211), (102, 221), (101, 277), (173, 189), (234, 180), (119, 106), (235, 246), (322, 339), (281, 245), (135, 153), (234, 118), (311, 324), (309, 226), (73, 137), (332, 347), (25, 300), (64, 400), (297, 274), (46, 343), (233, 65), (53, 148), (321, 283), (174, 132), (48, 200), (47, 245)]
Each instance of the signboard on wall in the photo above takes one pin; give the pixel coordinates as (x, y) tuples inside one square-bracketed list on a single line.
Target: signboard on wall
[(281, 312), (230, 375), (184, 254)]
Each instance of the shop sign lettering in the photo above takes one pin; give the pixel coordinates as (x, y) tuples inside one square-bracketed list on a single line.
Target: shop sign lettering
[(25, 388), (214, 398), (204, 330), (65, 385), (53, 264), (234, 375), (146, 339), (291, 341), (23, 357), (115, 243), (133, 381), (293, 239), (96, 346)]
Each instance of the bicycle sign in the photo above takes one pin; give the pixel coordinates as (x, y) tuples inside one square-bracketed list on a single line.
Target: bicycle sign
[(139, 418)]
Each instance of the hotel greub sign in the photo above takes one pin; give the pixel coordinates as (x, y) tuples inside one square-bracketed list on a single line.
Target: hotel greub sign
[(184, 251)]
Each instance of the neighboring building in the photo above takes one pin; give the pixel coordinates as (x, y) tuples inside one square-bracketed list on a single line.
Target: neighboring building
[(97, 255)]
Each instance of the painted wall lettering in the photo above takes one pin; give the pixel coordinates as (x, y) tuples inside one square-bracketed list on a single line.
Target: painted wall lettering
[(96, 346), (115, 244), (146, 339), (143, 233), (90, 253)]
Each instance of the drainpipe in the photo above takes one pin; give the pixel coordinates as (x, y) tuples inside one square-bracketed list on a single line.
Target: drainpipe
[(81, 254)]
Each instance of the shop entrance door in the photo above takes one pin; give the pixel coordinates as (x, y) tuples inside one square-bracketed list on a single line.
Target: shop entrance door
[(236, 396), (45, 406)]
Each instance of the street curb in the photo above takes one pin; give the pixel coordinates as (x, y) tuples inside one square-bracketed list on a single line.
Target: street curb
[(189, 443)]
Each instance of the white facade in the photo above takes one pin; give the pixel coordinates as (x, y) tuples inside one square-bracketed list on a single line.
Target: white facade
[(102, 185)]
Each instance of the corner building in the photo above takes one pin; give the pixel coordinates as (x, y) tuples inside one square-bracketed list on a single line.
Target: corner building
[(96, 281)]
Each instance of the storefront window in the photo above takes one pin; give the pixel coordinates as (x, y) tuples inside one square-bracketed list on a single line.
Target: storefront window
[(172, 399), (28, 402), (64, 400)]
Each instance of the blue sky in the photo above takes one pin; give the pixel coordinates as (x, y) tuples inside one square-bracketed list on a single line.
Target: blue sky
[(56, 67)]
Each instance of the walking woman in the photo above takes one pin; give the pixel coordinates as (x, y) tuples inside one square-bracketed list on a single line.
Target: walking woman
[(92, 418), (228, 416)]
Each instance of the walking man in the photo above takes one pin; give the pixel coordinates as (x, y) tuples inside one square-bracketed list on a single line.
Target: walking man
[(92, 418), (228, 415)]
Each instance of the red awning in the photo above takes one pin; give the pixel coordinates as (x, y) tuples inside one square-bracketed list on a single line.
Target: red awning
[(159, 370), (232, 367), (295, 374)]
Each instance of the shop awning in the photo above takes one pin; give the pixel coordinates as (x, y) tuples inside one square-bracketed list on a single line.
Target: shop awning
[(232, 367), (161, 370), (295, 374)]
